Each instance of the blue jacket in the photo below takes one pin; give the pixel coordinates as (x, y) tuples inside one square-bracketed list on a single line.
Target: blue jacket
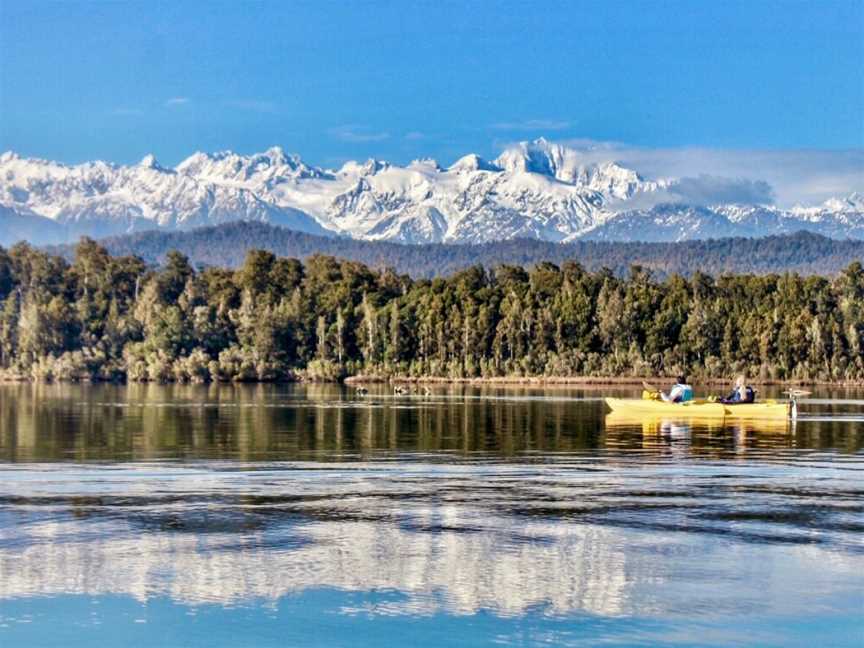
[(740, 395)]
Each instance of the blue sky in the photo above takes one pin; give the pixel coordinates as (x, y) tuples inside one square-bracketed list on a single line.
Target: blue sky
[(399, 80)]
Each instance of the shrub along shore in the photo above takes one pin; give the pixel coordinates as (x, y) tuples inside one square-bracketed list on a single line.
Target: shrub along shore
[(100, 317)]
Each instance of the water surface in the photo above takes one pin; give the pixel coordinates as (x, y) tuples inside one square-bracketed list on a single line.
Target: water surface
[(311, 516)]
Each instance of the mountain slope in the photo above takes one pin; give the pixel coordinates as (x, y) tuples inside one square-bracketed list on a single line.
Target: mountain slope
[(99, 199), (227, 245), (671, 222), (17, 225), (539, 190)]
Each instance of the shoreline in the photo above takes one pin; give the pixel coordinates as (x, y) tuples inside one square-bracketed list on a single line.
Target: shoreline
[(580, 381), (516, 381)]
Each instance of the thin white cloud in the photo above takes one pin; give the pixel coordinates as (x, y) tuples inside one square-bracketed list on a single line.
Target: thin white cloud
[(414, 136), (796, 176), (177, 101), (533, 125), (711, 190), (357, 134)]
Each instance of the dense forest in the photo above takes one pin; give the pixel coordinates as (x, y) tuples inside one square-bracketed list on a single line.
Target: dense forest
[(101, 317), (226, 245)]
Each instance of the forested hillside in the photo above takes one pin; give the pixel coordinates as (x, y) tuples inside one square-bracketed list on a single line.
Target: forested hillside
[(104, 317), (226, 245)]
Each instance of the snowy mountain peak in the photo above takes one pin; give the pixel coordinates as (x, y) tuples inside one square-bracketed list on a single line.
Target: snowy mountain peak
[(567, 165), (276, 153), (276, 157), (852, 202), (425, 164), (373, 166), (613, 180), (149, 161), (473, 162), (195, 161), (270, 167), (537, 156), (370, 167), (535, 189)]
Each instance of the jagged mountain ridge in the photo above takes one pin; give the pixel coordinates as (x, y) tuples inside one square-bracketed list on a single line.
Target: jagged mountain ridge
[(677, 222), (536, 189)]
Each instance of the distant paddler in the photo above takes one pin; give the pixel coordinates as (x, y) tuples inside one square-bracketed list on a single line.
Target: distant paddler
[(741, 394), (680, 392)]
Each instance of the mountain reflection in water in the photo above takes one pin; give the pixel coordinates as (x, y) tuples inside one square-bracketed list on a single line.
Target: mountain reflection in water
[(516, 503)]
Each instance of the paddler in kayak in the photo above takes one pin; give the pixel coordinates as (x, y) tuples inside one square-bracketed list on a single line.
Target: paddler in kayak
[(742, 393), (681, 391)]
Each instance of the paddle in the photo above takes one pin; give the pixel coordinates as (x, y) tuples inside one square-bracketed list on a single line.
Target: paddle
[(797, 393)]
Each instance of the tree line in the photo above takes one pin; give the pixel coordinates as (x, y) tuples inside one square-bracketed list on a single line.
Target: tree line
[(104, 317), (227, 244)]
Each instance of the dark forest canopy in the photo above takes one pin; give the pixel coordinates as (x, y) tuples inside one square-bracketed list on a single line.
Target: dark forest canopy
[(114, 318), (226, 245)]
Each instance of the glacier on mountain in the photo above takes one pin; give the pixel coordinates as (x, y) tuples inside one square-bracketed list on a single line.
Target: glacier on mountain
[(537, 189)]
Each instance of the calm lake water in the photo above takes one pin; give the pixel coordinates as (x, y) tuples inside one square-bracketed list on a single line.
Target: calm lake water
[(310, 516)]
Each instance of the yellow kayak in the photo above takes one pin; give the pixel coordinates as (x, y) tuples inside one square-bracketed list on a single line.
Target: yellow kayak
[(768, 409)]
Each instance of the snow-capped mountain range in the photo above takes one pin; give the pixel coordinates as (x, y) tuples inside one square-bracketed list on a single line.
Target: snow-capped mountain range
[(536, 189)]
